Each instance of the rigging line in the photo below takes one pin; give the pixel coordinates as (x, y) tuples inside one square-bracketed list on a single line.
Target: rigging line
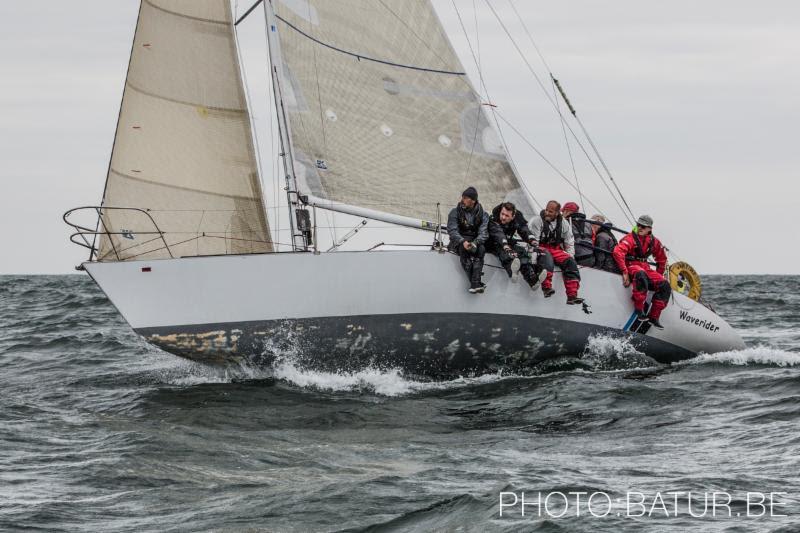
[(553, 102), (597, 152), (562, 119), (366, 58), (494, 115), (544, 158), (569, 152), (530, 36)]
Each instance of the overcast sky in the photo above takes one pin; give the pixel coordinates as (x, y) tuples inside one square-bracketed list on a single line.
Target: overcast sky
[(694, 106)]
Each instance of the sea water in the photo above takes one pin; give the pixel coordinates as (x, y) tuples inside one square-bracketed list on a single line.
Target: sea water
[(101, 432)]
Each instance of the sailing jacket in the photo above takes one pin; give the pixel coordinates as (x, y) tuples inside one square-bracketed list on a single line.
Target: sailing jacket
[(556, 233), (583, 232), (633, 251), (468, 225), (504, 234), (604, 243)]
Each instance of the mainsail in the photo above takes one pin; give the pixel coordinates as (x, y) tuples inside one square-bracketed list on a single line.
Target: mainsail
[(183, 152), (380, 112)]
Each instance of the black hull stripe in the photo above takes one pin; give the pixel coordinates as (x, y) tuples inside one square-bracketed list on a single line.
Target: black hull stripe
[(433, 344)]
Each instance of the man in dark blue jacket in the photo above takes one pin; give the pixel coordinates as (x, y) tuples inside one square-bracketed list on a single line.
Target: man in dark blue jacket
[(467, 226)]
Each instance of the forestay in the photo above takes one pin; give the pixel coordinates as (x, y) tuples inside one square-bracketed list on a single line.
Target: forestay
[(380, 111), (184, 150)]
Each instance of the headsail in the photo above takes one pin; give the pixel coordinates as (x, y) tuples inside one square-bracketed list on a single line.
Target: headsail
[(380, 111), (183, 150)]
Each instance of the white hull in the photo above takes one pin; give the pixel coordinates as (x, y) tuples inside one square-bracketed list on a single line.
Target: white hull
[(399, 307)]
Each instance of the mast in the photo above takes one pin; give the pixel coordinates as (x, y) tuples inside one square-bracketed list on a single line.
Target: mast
[(299, 238)]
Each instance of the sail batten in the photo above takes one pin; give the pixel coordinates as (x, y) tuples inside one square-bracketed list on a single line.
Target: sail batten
[(380, 112), (184, 151)]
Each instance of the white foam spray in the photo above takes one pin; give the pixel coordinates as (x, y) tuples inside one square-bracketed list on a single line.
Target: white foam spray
[(757, 355), (607, 351)]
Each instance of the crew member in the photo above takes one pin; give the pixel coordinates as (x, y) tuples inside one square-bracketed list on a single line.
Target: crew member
[(467, 226), (632, 254), (554, 237), (508, 232), (582, 231), (604, 243)]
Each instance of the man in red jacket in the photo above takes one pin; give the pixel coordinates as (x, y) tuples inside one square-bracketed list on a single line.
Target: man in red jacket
[(631, 255)]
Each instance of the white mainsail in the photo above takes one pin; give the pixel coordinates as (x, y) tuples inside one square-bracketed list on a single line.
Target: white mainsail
[(380, 111), (183, 150)]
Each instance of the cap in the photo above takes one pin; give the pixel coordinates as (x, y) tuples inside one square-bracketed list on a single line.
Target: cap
[(645, 220), (571, 206)]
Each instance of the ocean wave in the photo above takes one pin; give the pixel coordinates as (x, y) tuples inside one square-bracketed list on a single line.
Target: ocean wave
[(758, 355), (383, 382)]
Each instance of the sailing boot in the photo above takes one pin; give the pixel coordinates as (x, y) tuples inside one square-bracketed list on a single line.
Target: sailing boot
[(515, 270), (655, 323), (475, 277)]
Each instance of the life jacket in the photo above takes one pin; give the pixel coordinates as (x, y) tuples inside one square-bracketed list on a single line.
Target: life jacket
[(639, 253), (552, 237), (467, 229)]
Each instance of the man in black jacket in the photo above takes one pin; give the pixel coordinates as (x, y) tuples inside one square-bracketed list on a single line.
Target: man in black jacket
[(583, 232), (508, 232), (467, 226)]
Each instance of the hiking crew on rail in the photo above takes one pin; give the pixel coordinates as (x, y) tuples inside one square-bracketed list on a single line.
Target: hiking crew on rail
[(553, 237), (632, 255), (508, 239), (468, 228)]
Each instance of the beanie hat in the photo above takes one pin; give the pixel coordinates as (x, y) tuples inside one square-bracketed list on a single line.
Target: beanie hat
[(471, 192)]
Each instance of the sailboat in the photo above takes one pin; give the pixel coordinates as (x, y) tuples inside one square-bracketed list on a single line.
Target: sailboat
[(377, 119)]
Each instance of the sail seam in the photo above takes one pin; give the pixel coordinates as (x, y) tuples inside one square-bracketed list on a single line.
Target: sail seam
[(183, 102), (182, 188), (366, 58), (183, 15)]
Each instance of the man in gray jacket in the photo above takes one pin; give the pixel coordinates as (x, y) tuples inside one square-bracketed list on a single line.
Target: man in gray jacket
[(553, 235), (467, 226)]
